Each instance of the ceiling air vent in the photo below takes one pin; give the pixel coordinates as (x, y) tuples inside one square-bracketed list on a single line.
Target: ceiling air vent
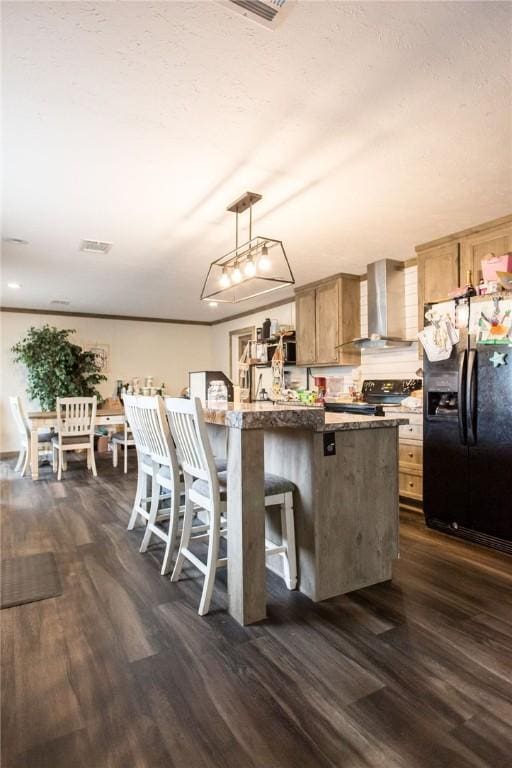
[(95, 246), (269, 13)]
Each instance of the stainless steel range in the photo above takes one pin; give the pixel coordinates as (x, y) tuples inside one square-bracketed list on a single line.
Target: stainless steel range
[(378, 393)]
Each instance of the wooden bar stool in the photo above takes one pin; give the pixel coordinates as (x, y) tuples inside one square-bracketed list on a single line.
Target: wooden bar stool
[(207, 488), (157, 462), (122, 440)]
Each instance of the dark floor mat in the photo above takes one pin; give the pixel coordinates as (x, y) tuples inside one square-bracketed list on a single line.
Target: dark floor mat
[(30, 578)]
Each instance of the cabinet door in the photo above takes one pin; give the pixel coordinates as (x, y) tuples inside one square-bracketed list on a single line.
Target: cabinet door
[(475, 247), (327, 322), (438, 273), (350, 320), (306, 327)]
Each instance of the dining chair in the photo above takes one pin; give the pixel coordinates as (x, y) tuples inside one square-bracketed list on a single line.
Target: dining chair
[(122, 440), (206, 488), (75, 431), (44, 439), (158, 462)]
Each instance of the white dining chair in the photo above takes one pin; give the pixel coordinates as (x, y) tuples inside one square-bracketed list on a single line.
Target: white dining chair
[(158, 462), (75, 431), (206, 488), (122, 440), (44, 438)]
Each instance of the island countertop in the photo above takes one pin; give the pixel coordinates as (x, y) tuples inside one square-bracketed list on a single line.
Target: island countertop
[(270, 415)]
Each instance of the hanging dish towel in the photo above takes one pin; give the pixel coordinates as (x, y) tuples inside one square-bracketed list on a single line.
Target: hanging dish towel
[(438, 339)]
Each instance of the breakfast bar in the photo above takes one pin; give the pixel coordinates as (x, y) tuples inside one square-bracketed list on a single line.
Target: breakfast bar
[(345, 469)]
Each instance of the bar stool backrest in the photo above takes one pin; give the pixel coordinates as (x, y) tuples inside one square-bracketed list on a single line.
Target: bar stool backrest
[(76, 415), (146, 416), (188, 429), (134, 417)]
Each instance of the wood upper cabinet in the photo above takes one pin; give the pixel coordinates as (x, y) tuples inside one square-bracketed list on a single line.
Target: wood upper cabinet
[(474, 248), (305, 304), (438, 273), (443, 264), (327, 322), (328, 314)]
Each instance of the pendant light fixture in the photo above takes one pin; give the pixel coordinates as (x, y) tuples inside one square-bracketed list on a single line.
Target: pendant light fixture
[(253, 268)]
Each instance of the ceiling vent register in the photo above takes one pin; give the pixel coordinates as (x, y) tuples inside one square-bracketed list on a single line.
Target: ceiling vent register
[(95, 246), (269, 13)]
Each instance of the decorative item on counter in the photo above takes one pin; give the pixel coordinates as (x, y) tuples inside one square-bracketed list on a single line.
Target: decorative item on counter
[(496, 328), (217, 394), (439, 337), (321, 385), (259, 332), (498, 358), (491, 264), (278, 370), (306, 396), (334, 388), (274, 328), (482, 287)]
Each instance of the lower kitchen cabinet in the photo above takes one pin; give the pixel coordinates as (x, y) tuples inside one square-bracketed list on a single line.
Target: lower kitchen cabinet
[(410, 452)]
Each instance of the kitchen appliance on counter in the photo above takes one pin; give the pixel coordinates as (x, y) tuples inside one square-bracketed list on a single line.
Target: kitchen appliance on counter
[(376, 394), (467, 448), (199, 381)]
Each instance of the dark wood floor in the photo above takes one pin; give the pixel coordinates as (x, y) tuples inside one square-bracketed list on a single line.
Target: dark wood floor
[(120, 671)]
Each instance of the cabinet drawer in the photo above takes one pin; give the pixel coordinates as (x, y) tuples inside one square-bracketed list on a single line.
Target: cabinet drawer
[(410, 485), (411, 454), (411, 431)]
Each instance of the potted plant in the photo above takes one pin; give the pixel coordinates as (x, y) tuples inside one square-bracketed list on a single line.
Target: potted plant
[(56, 367)]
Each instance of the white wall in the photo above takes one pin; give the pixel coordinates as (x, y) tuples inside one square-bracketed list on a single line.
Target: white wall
[(163, 350)]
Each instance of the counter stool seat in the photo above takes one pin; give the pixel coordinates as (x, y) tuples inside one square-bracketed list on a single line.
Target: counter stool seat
[(274, 485)]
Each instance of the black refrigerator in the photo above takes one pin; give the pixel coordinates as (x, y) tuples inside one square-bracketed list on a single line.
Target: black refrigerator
[(467, 449)]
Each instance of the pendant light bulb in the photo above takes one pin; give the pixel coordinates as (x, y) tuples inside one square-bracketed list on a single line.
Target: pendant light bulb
[(249, 267), (264, 264), (236, 275), (224, 280)]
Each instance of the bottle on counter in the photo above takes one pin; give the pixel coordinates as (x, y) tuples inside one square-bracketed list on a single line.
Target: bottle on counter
[(265, 330), (469, 289)]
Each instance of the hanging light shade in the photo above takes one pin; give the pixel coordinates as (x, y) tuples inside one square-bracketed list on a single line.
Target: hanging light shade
[(251, 269)]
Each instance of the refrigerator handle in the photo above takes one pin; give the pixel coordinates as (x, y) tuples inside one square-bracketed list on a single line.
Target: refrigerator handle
[(462, 412), (470, 397)]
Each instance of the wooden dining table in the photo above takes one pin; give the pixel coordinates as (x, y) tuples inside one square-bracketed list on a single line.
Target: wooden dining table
[(105, 417)]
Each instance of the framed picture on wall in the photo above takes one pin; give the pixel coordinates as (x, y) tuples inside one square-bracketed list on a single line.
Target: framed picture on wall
[(101, 354)]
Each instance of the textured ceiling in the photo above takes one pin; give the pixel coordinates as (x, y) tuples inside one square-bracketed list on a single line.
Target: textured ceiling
[(367, 127)]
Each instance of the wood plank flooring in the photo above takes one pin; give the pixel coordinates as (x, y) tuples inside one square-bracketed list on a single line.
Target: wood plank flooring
[(121, 672)]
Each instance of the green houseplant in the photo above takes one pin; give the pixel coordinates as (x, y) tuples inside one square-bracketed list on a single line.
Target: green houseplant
[(56, 367)]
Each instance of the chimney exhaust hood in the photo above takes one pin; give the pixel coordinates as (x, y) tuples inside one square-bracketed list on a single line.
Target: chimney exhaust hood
[(386, 307)]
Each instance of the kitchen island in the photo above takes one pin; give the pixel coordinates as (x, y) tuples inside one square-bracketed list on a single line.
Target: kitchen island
[(345, 468)]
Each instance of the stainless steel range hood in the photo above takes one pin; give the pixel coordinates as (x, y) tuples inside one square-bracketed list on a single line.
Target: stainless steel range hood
[(386, 307)]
